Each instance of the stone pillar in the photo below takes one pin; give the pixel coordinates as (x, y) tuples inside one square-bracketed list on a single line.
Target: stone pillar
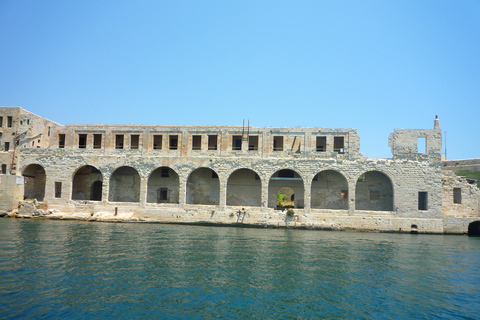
[(264, 195), (307, 195), (182, 192), (351, 197), (223, 194), (143, 191), (105, 188)]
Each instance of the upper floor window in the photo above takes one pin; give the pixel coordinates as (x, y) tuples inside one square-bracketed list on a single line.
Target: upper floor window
[(278, 143), (173, 143), (212, 142), (1, 121), (61, 140), (321, 144), (119, 141), (196, 142), (9, 122), (134, 141), (82, 141), (157, 141), (236, 142), (338, 144), (253, 143), (97, 141)]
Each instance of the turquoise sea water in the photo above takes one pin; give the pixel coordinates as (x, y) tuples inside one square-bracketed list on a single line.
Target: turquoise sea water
[(81, 270)]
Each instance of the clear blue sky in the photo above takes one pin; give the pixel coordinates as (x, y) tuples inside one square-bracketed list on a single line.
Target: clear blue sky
[(370, 65)]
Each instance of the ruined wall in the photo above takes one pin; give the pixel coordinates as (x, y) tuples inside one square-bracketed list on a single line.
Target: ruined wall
[(460, 198)]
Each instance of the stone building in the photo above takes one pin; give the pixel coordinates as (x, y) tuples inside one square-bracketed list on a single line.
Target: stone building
[(233, 174)]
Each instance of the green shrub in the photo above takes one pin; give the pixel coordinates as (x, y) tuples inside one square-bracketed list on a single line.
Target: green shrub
[(290, 213)]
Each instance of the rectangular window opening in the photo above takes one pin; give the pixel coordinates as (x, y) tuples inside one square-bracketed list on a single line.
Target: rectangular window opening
[(134, 141), (321, 144), (119, 141), (457, 195), (212, 142), (61, 140), (7, 146), (421, 145), (253, 143), (58, 189), (162, 195), (173, 144), (196, 142), (82, 141), (338, 144), (165, 173), (4, 169), (97, 141), (9, 122), (1, 121), (422, 200), (278, 143), (157, 141), (236, 142)]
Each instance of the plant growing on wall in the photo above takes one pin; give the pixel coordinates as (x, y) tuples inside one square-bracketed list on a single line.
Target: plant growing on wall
[(290, 213)]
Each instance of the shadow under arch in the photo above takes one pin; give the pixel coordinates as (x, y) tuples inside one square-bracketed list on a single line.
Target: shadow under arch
[(286, 178), (87, 184), (244, 188), (163, 186), (203, 187), (474, 229), (374, 192), (329, 191), (124, 185), (35, 179)]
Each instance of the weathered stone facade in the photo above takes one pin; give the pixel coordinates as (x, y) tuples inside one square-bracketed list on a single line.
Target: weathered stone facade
[(232, 174)]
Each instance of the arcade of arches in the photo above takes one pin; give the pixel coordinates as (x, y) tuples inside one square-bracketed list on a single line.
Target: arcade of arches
[(329, 189)]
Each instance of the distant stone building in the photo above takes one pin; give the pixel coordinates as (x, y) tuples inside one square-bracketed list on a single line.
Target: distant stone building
[(217, 174)]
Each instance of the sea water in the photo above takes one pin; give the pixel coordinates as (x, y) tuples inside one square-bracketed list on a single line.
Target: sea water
[(81, 270)]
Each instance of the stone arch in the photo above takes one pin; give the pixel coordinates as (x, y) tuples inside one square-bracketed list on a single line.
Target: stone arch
[(35, 179), (329, 191), (87, 184), (244, 188), (374, 192), (286, 178), (163, 186), (474, 229), (124, 185), (203, 187)]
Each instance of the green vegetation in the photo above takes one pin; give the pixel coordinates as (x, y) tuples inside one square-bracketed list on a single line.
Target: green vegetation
[(281, 198), (470, 175), (290, 213)]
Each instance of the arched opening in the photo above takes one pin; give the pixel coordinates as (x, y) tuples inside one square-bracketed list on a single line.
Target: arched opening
[(203, 187), (286, 178), (374, 192), (124, 185), (35, 178), (474, 229), (285, 198), (87, 184), (244, 188), (163, 186), (329, 191)]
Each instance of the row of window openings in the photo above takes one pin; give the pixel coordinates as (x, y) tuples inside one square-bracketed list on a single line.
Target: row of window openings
[(278, 144), (9, 122)]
